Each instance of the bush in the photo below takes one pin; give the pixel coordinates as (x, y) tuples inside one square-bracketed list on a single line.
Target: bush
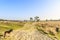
[(50, 32), (41, 30)]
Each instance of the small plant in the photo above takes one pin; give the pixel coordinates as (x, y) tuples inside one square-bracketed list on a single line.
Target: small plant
[(43, 26), (41, 30), (37, 25), (57, 29), (50, 32)]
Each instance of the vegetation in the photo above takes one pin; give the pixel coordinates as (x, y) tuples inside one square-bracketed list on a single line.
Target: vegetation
[(36, 18), (51, 28)]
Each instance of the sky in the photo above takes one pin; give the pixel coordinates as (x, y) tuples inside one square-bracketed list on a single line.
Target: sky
[(24, 9)]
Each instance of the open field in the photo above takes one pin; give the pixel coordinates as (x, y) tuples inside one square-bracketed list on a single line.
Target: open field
[(46, 28)]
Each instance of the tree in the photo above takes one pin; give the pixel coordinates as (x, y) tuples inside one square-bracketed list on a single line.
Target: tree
[(46, 19), (31, 19), (36, 18)]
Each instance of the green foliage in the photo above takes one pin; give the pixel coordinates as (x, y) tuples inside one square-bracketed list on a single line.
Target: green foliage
[(7, 26), (31, 19), (36, 19)]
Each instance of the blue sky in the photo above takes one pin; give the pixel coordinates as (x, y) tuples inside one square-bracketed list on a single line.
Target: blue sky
[(23, 9)]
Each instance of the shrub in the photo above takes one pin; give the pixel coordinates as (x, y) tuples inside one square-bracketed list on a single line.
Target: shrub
[(50, 32)]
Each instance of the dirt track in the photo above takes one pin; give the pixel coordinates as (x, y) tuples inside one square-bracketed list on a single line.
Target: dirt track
[(27, 34)]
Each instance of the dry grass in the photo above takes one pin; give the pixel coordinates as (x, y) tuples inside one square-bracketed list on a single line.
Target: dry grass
[(48, 27)]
